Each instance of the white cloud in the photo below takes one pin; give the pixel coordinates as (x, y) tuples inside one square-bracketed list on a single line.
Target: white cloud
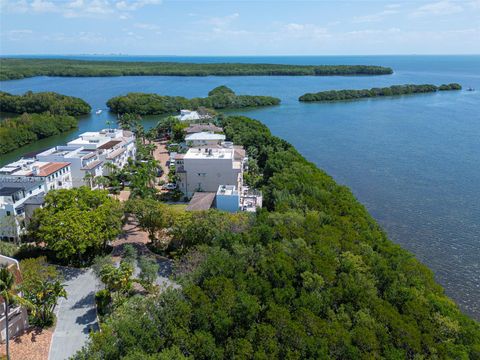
[(43, 6), (83, 37), (444, 7), (77, 8), (306, 31), (223, 21), (132, 5), (18, 34), (379, 16), (145, 26)]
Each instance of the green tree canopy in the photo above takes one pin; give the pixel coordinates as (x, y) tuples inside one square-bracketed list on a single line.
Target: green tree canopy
[(76, 223)]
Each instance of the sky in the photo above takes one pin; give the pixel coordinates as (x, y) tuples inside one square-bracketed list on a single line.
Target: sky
[(239, 27)]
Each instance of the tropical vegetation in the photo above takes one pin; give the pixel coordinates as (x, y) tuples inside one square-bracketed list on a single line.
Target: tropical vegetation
[(76, 224), (42, 288), (42, 102), (394, 90), (27, 128), (153, 104), (21, 68), (310, 276)]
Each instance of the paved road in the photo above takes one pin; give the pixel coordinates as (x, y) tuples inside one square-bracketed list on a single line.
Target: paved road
[(76, 315)]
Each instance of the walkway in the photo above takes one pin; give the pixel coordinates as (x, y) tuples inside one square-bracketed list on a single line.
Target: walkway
[(76, 315), (138, 238)]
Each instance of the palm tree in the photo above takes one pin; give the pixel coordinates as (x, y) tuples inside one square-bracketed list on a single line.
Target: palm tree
[(9, 294)]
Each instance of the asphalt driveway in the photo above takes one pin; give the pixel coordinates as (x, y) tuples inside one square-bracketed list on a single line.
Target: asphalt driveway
[(76, 315)]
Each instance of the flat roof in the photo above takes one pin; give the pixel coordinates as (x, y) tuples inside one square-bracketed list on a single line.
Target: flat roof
[(201, 201), (9, 190), (38, 199), (209, 153), (204, 136)]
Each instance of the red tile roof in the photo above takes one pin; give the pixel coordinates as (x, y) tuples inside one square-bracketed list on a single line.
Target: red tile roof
[(52, 167)]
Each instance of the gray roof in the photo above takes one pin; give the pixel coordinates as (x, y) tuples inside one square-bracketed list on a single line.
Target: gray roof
[(9, 190), (201, 201), (36, 200)]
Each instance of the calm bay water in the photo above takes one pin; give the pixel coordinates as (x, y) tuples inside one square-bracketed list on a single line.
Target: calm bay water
[(414, 161)]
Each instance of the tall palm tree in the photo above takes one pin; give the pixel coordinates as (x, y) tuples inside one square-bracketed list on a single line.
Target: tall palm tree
[(9, 294)]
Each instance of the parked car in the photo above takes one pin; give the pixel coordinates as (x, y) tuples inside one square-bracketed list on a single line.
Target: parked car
[(159, 172), (169, 186)]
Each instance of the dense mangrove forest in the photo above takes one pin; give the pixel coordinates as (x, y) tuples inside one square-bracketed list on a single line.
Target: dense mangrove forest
[(27, 128), (394, 90), (17, 68), (310, 276), (40, 102), (221, 97)]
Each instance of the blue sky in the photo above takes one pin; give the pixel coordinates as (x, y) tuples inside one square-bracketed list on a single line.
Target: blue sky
[(162, 27)]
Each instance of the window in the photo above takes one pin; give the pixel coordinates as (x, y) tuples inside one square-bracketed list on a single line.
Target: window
[(8, 213)]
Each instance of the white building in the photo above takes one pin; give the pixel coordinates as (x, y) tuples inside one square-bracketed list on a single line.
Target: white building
[(23, 180), (206, 169), (89, 153), (13, 195), (52, 175), (204, 139), (188, 115), (82, 162)]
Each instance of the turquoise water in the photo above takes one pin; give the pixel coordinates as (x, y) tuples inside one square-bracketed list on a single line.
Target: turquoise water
[(414, 161)]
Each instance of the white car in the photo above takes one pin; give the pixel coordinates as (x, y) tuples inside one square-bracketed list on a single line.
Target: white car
[(170, 186)]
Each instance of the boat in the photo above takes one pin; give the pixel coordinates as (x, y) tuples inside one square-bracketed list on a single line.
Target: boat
[(470, 89), (98, 112)]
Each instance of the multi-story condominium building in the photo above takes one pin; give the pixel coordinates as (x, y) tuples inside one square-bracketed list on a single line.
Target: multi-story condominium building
[(89, 153), (83, 162), (52, 175), (205, 169), (22, 180), (13, 195)]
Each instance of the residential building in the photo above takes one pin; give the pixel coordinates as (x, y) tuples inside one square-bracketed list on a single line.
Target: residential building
[(205, 169), (196, 128), (13, 195), (53, 175), (82, 162), (17, 315), (91, 151), (188, 115), (204, 139)]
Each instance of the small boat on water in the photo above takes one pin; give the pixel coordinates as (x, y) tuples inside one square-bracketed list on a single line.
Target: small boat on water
[(470, 89), (98, 112)]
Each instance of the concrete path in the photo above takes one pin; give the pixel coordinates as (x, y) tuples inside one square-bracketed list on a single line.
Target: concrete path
[(76, 315)]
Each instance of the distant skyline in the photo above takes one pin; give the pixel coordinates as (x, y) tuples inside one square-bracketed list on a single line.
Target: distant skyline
[(267, 27)]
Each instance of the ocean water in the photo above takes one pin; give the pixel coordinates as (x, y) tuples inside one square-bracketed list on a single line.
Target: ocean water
[(413, 161)]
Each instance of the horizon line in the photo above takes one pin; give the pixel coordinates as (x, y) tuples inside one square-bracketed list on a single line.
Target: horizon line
[(248, 55)]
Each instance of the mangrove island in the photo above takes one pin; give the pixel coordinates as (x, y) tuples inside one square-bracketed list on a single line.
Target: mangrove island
[(22, 68), (42, 102), (394, 90), (221, 97)]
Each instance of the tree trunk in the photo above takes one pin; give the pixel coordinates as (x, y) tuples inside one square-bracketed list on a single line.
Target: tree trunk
[(7, 335)]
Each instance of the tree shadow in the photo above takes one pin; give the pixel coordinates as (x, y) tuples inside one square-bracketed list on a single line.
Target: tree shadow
[(69, 273), (87, 301), (89, 318)]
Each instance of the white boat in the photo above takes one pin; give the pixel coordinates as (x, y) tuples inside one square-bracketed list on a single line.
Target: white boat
[(98, 112)]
